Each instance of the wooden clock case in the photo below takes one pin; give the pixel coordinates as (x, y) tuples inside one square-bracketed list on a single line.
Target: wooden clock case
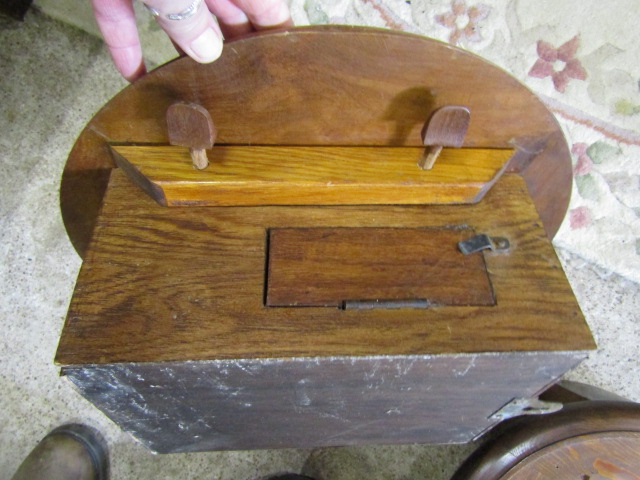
[(171, 331)]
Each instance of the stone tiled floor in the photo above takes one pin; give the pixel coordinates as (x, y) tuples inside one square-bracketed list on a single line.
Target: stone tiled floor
[(52, 80)]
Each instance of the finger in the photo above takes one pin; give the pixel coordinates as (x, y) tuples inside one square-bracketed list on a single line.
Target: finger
[(198, 34), (233, 21), (177, 47), (117, 22), (264, 14)]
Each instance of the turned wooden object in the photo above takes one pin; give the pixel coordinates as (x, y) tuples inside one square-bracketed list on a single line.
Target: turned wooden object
[(447, 127), (190, 125), (585, 440)]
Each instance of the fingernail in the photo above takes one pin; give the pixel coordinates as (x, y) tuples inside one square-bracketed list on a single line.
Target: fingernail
[(282, 15), (207, 47)]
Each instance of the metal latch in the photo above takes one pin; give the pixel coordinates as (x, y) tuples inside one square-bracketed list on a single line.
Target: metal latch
[(484, 242), (525, 406)]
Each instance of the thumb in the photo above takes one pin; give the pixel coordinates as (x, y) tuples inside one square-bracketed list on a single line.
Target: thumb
[(190, 25)]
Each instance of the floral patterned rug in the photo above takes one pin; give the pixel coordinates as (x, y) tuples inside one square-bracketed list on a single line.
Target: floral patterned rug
[(581, 58)]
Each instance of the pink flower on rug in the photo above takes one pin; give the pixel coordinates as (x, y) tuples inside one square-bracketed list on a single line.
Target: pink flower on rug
[(584, 164), (463, 21), (559, 63), (580, 218)]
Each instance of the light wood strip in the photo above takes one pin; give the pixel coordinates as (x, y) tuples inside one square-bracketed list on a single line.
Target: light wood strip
[(311, 175)]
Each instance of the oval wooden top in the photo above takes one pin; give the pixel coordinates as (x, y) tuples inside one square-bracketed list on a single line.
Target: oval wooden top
[(326, 86)]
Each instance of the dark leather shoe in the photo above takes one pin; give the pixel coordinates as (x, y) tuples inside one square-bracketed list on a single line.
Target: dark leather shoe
[(70, 452)]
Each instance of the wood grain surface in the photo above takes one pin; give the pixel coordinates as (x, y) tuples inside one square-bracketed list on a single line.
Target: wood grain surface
[(190, 125), (168, 333), (374, 267), (585, 440), (162, 284), (311, 175), (447, 126), (610, 455), (325, 86)]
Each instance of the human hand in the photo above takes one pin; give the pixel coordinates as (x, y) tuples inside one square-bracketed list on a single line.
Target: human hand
[(189, 23)]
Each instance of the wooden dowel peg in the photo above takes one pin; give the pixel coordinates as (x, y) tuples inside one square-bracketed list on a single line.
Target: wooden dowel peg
[(190, 125), (199, 158), (447, 127), (429, 157)]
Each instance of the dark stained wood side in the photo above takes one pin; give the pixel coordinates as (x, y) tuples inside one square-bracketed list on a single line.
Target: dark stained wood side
[(330, 401), (328, 267), (567, 391), (164, 284), (325, 86)]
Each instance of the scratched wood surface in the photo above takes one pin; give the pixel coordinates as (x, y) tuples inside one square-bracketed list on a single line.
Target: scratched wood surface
[(585, 440), (162, 284), (306, 403), (362, 267), (326, 86), (311, 175)]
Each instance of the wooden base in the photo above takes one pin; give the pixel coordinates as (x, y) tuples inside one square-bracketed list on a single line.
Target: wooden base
[(169, 335)]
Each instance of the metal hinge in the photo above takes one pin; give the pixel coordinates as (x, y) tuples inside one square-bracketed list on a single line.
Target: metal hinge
[(525, 406), (386, 304)]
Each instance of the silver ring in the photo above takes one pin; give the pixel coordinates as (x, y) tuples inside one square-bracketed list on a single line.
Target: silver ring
[(190, 11)]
